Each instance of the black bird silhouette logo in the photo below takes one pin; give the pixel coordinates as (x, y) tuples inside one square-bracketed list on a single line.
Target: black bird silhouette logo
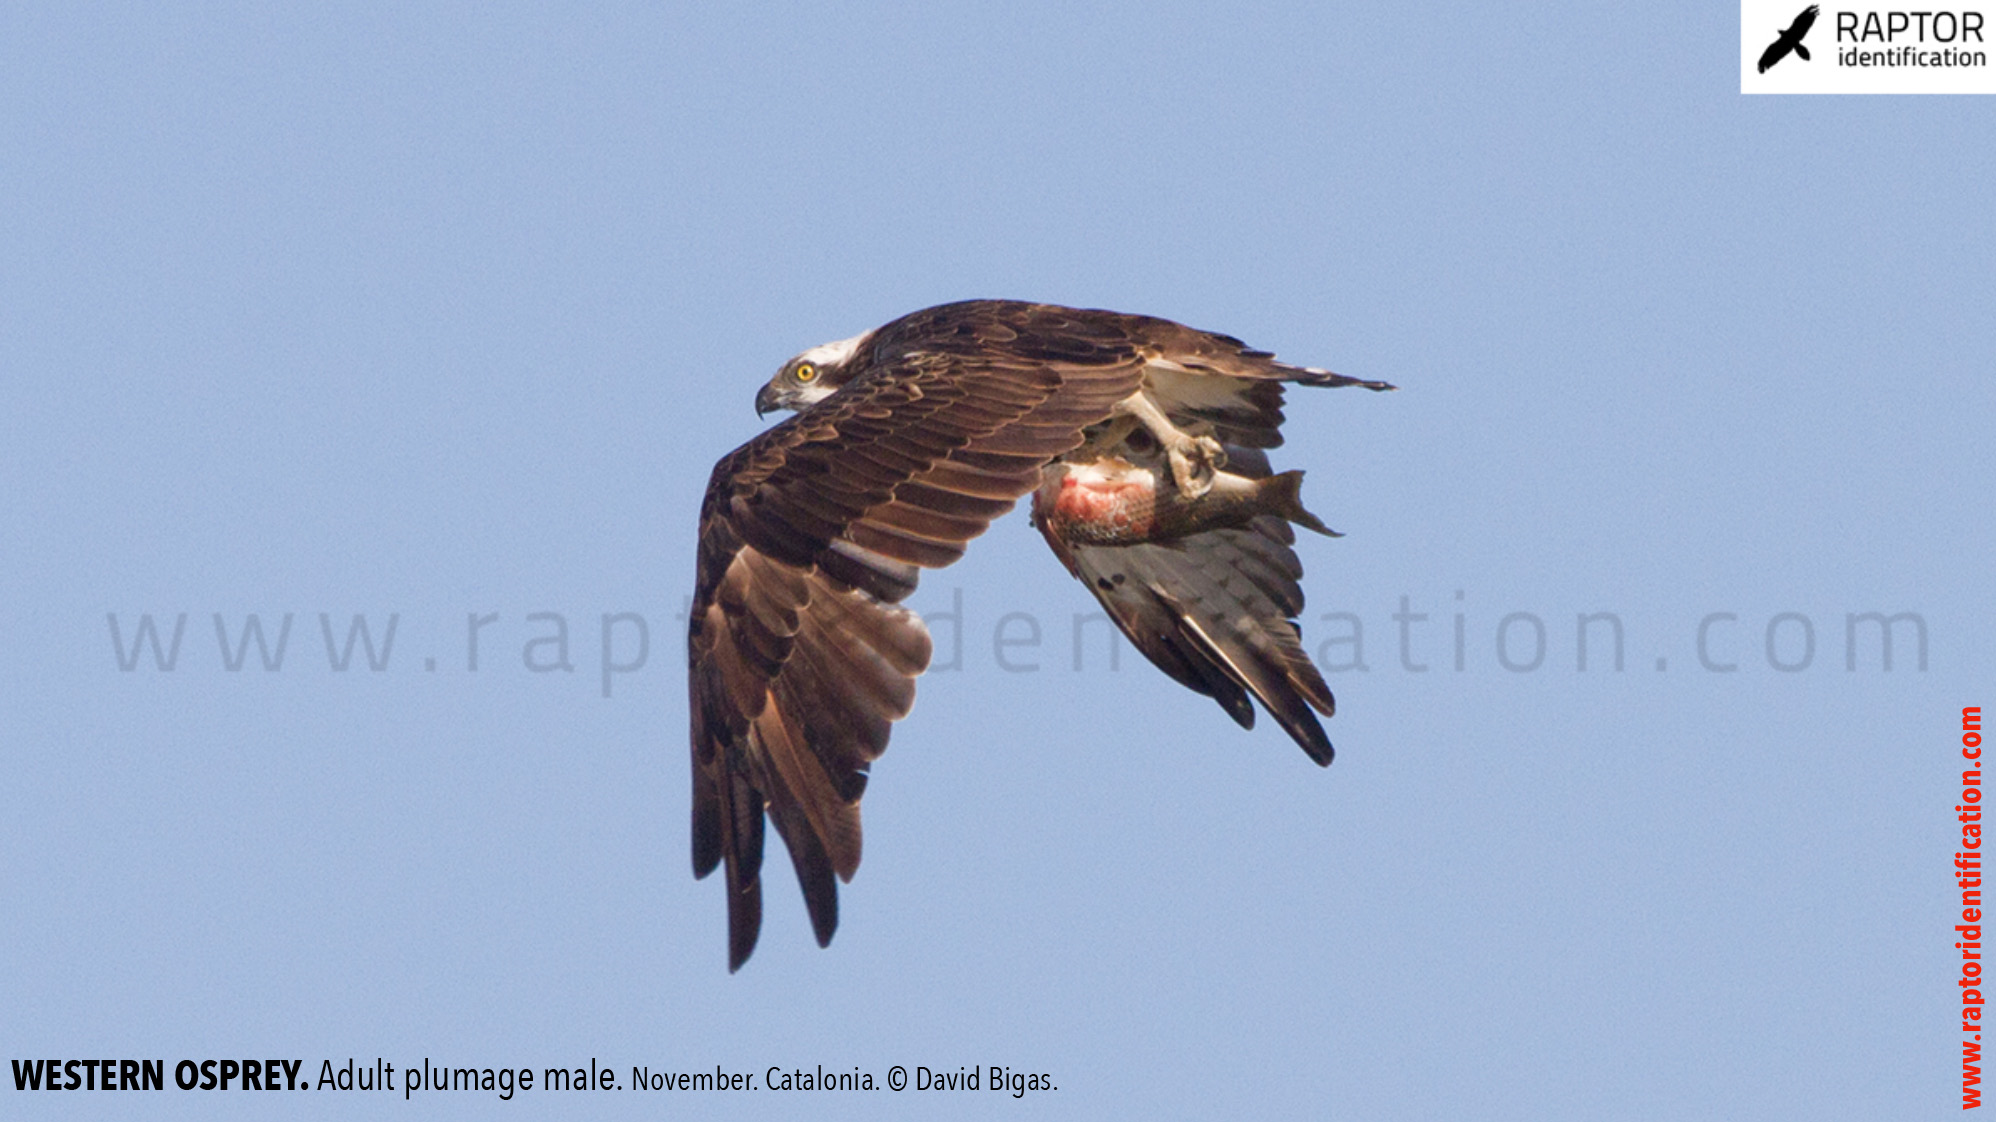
[(1790, 40)]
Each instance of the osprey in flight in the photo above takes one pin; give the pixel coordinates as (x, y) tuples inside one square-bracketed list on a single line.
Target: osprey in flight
[(1141, 442)]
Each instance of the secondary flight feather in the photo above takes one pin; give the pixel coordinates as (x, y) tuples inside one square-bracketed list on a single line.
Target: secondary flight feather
[(1142, 443)]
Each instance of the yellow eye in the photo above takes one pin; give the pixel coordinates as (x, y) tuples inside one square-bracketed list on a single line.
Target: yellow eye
[(806, 373)]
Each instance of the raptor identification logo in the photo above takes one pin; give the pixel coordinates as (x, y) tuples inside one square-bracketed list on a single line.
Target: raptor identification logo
[(1789, 47)]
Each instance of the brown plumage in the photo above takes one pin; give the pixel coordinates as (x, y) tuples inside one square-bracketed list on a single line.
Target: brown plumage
[(909, 441)]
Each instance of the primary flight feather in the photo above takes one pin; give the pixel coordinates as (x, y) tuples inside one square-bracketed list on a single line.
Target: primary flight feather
[(1141, 442)]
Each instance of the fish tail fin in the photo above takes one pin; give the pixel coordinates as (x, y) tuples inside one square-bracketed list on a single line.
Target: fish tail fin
[(1282, 495)]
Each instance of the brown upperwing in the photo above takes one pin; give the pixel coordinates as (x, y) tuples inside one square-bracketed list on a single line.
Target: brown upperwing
[(809, 535)]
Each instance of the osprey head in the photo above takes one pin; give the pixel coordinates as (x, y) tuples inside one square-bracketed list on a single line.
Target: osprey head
[(811, 377)]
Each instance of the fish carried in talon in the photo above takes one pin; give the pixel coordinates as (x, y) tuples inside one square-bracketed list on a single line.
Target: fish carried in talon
[(1111, 501)]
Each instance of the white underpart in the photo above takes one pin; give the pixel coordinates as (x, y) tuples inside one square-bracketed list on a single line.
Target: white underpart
[(1111, 470), (1174, 385)]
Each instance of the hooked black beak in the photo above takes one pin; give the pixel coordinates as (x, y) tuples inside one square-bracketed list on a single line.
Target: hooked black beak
[(765, 401)]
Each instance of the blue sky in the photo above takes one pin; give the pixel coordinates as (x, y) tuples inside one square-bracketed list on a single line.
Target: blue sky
[(444, 313)]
